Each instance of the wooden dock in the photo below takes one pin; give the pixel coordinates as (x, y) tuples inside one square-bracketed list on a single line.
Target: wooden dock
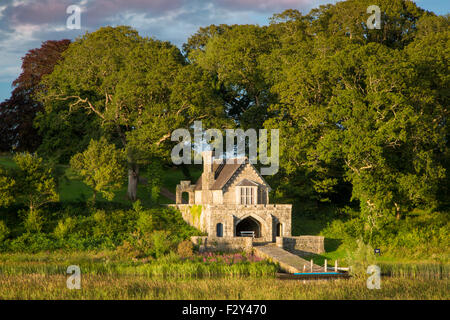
[(313, 276)]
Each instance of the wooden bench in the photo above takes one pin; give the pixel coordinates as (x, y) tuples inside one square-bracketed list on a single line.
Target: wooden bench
[(248, 234)]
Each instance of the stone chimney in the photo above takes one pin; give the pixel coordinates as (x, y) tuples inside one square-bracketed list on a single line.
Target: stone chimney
[(207, 161), (208, 174)]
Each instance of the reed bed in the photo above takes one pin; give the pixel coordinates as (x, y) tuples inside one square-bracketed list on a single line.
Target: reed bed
[(196, 270), (167, 267), (425, 271), (104, 276), (139, 287)]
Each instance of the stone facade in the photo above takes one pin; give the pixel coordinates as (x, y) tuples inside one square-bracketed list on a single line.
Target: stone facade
[(272, 220), (230, 198)]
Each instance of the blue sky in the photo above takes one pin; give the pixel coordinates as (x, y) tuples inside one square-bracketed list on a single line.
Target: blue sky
[(25, 24)]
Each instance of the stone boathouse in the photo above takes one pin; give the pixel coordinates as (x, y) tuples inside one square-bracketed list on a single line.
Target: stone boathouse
[(231, 199), (230, 203)]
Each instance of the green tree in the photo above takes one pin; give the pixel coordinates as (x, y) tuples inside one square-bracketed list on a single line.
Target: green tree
[(102, 167), (200, 39), (348, 20), (35, 185), (132, 88), (64, 132), (233, 56), (365, 107)]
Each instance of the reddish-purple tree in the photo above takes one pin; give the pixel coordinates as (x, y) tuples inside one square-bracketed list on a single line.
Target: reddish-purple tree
[(18, 112)]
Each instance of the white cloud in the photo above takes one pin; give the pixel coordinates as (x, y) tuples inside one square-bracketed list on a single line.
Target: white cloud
[(2, 8)]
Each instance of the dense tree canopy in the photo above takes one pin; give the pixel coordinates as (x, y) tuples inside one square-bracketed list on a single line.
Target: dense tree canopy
[(359, 106), (233, 56), (362, 113)]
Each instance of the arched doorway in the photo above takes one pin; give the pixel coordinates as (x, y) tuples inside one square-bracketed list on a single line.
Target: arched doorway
[(279, 230), (249, 224)]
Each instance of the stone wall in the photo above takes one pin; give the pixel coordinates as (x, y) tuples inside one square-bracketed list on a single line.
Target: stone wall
[(193, 215), (302, 245), (214, 244)]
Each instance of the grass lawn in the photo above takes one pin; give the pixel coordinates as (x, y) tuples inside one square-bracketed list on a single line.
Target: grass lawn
[(173, 176), (7, 162), (73, 189)]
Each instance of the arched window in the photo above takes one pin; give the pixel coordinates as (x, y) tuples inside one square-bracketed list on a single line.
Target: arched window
[(185, 197), (219, 230)]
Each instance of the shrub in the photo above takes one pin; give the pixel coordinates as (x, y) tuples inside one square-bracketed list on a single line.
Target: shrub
[(6, 186), (142, 245), (64, 227), (129, 250), (139, 232), (145, 222), (32, 220), (172, 221), (114, 225), (161, 243), (4, 231), (32, 242), (185, 249)]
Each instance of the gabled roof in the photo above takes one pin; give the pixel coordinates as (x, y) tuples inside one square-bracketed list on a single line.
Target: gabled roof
[(247, 183), (223, 172)]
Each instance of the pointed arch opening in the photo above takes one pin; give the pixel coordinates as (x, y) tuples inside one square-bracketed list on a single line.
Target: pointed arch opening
[(248, 224)]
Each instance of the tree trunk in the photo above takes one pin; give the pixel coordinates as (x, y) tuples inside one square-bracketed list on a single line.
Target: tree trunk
[(133, 179), (397, 210), (133, 168)]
